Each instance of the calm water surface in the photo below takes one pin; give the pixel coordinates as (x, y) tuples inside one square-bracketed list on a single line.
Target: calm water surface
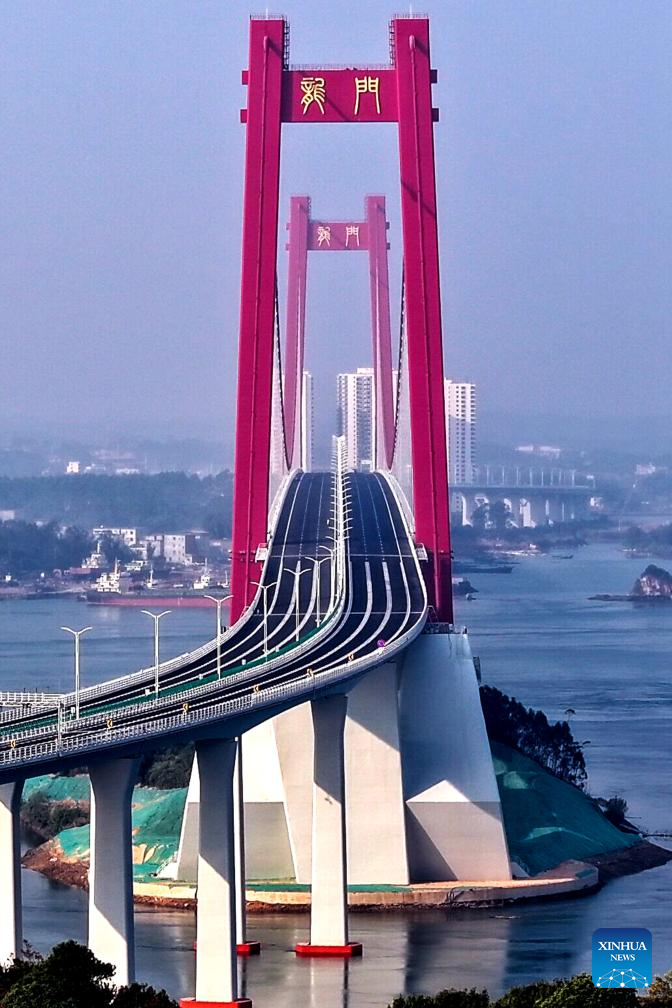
[(538, 638)]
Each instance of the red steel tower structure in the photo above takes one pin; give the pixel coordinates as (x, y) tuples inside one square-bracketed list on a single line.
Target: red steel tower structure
[(367, 235), (277, 94)]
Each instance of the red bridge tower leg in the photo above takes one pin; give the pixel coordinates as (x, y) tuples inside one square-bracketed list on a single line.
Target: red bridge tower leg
[(423, 306), (257, 304)]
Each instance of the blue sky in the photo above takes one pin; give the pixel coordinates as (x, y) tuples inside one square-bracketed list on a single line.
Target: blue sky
[(121, 187)]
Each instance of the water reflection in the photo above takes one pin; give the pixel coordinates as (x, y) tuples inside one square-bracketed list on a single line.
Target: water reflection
[(421, 953)]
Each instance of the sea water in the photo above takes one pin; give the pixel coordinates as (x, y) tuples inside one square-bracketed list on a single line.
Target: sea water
[(540, 639)]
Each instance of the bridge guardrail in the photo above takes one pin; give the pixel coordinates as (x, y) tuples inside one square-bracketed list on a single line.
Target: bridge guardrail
[(70, 742)]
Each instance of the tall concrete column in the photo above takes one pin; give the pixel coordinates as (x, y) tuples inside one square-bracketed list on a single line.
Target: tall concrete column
[(244, 946), (11, 929), (111, 936), (538, 512), (375, 798), (329, 891), (216, 960), (187, 853), (556, 511)]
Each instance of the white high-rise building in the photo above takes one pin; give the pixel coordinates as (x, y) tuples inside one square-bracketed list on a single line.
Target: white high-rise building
[(460, 400), (355, 417), (307, 421)]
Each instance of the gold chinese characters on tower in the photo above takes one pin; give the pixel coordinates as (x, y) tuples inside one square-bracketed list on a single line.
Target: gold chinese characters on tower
[(323, 235), (313, 92), (351, 231), (367, 85)]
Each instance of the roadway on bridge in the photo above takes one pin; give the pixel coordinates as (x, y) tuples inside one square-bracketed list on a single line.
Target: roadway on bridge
[(383, 600)]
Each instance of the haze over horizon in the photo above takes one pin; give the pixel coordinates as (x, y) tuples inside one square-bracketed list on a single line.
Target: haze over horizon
[(121, 189)]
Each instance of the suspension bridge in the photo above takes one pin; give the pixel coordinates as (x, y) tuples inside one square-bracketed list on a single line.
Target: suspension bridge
[(342, 653)]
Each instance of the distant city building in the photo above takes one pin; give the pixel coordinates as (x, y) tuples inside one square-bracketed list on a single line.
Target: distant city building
[(307, 421), (460, 404), (546, 451), (648, 469), (7, 516), (355, 414), (73, 468), (185, 547), (129, 536)]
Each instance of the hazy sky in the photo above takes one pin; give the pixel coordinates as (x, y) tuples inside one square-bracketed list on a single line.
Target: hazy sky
[(120, 201)]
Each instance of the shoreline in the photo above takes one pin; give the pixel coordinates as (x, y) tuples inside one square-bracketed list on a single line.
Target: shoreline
[(573, 878)]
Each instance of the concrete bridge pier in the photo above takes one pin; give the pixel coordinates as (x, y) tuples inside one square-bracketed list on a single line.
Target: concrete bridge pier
[(11, 924), (455, 827), (111, 935), (329, 891), (216, 958), (538, 510), (244, 947)]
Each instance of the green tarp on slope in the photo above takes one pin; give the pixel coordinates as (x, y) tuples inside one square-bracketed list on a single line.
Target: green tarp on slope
[(157, 818), (548, 821), (59, 788)]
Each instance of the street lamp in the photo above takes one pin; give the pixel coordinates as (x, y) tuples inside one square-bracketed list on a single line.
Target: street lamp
[(296, 575), (265, 588), (156, 617), (318, 567), (219, 602), (76, 634)]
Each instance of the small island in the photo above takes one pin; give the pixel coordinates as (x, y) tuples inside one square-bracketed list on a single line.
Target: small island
[(654, 584)]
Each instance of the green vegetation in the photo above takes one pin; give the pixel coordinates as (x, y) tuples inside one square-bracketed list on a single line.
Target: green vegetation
[(46, 817), (167, 768), (492, 531), (530, 732), (27, 548), (577, 992), (660, 992), (445, 999), (71, 977), (165, 502)]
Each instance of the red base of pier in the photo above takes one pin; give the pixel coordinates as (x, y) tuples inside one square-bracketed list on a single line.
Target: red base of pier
[(192, 1003), (344, 951), (248, 948)]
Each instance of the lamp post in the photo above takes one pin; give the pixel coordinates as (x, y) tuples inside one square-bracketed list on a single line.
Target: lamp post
[(219, 602), (156, 617), (318, 567), (77, 634), (265, 589), (296, 575)]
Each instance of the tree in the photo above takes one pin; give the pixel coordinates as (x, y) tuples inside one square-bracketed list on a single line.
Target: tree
[(660, 992), (581, 992), (142, 996), (70, 977), (500, 516), (114, 549), (167, 768), (528, 996), (14, 971), (445, 999), (615, 809), (480, 516), (529, 731)]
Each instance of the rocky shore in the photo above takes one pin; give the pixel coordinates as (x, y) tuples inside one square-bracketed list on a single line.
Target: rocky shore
[(654, 584)]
